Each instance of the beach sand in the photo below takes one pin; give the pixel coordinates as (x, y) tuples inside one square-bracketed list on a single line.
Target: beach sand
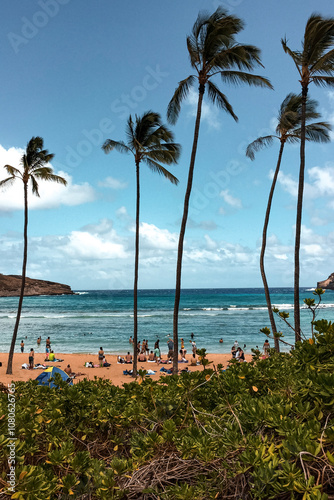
[(77, 362)]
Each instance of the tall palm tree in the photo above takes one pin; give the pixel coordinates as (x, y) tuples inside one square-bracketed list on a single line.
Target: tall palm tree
[(315, 63), (152, 143), (288, 131), (212, 50), (34, 168)]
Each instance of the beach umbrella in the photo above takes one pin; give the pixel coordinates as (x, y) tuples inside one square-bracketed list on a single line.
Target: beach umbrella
[(47, 377)]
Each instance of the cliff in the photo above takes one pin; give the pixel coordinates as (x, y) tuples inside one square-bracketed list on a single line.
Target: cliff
[(10, 287), (327, 284)]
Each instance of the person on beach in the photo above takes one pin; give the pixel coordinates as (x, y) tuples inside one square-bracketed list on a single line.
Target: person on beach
[(240, 355), (170, 345), (236, 344), (182, 344), (151, 356), (221, 341), (143, 346), (51, 356), (157, 354), (22, 346), (266, 347), (69, 372), (130, 340), (192, 336), (142, 357), (128, 358), (101, 356), (39, 340), (156, 345), (183, 359), (193, 347), (138, 347), (48, 342), (31, 359), (233, 351), (193, 360)]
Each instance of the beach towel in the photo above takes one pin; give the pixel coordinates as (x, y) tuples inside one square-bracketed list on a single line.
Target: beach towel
[(163, 369), (127, 372), (151, 372)]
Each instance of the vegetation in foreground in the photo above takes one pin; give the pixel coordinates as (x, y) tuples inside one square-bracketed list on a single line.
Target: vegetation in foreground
[(259, 430)]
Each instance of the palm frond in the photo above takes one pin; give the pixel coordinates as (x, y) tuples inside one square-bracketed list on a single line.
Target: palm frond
[(293, 138), (294, 54), (318, 132), (323, 81), (34, 185), (193, 51), (7, 182), (165, 153), (218, 98), (324, 65), (239, 77), (243, 57), (318, 38), (120, 146), (258, 144), (180, 94), (46, 174), (12, 171), (162, 133), (156, 167)]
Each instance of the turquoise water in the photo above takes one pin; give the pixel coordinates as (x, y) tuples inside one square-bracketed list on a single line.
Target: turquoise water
[(90, 319)]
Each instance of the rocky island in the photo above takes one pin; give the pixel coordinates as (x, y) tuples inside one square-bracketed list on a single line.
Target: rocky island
[(10, 286), (327, 284)]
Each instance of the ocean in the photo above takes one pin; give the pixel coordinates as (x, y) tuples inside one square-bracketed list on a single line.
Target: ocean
[(89, 319)]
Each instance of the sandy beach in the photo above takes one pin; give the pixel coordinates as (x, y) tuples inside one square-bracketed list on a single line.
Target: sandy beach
[(77, 363)]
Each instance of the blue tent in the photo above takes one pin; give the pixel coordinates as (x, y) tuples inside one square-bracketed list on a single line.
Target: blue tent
[(44, 377)]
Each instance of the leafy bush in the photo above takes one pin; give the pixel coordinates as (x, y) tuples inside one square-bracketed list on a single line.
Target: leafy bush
[(258, 430)]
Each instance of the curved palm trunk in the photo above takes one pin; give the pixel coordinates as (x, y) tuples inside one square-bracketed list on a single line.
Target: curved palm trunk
[(183, 229), (24, 266), (299, 215), (135, 286), (263, 247)]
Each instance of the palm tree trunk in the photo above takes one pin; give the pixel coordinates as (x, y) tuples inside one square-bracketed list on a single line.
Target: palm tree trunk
[(263, 248), (24, 267), (135, 286), (183, 229), (299, 215)]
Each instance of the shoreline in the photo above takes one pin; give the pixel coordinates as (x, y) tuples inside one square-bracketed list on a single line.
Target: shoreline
[(77, 361)]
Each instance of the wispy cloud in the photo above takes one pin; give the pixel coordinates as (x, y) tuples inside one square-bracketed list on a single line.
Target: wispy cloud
[(210, 114), (231, 200), (111, 182)]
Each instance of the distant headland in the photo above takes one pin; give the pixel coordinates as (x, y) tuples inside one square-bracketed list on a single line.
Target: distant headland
[(327, 284), (10, 286)]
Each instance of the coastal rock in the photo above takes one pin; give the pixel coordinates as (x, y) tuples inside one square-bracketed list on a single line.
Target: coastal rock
[(327, 284), (10, 286)]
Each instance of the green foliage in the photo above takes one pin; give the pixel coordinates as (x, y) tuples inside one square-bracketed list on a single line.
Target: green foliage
[(258, 430)]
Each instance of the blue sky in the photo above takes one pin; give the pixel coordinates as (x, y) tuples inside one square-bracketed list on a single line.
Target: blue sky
[(72, 72)]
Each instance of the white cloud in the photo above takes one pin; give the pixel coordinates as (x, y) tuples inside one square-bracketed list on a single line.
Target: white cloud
[(231, 200), (87, 246), (112, 183), (155, 238), (52, 195)]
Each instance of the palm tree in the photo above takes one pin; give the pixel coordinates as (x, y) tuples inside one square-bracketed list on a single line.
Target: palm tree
[(288, 131), (34, 169), (315, 63), (212, 50), (152, 143)]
